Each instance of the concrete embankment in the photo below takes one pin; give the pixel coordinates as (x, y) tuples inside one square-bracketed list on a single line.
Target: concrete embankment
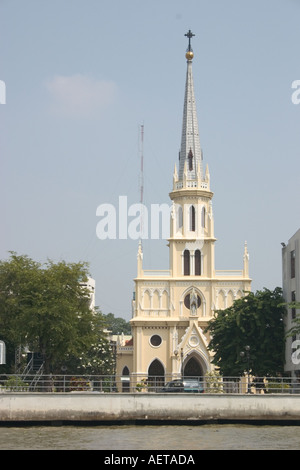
[(114, 407)]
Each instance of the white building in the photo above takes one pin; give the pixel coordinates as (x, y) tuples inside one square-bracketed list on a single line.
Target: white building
[(172, 308), (291, 293), (90, 286)]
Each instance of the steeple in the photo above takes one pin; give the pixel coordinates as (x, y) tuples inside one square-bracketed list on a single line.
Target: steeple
[(190, 152)]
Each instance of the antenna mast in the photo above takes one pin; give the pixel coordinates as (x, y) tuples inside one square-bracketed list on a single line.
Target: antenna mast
[(141, 177)]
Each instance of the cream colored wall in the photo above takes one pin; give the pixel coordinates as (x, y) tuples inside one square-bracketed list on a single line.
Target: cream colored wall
[(159, 300), (124, 359), (146, 322)]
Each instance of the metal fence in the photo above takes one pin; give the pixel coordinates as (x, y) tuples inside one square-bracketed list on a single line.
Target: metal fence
[(142, 384)]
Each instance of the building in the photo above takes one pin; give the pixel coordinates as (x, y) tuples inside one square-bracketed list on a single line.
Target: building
[(291, 293), (171, 308), (90, 285)]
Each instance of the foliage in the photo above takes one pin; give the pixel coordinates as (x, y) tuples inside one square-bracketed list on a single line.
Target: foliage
[(98, 358), (46, 308), (78, 384), (255, 320), (277, 386), (296, 321), (213, 382), (16, 384), (117, 325), (142, 385)]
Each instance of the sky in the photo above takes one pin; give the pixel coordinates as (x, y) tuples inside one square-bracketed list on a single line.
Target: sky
[(82, 76)]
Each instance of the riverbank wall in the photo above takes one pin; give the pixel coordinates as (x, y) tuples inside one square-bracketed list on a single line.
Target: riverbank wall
[(158, 407)]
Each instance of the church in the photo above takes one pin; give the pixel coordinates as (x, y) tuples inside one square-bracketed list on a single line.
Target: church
[(171, 308)]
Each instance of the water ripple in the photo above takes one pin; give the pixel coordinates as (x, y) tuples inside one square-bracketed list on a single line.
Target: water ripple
[(208, 437)]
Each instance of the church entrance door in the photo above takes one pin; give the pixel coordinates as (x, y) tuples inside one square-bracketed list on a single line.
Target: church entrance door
[(156, 375), (192, 368)]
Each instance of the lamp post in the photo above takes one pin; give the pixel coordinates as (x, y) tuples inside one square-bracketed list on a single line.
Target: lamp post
[(242, 354), (176, 364), (181, 359)]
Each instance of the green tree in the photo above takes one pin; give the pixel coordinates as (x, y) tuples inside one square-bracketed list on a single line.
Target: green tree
[(255, 320), (296, 321), (117, 325), (98, 358), (46, 308)]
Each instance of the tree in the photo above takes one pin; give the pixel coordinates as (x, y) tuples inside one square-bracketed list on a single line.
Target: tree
[(296, 321), (117, 325), (255, 320), (46, 308), (98, 358)]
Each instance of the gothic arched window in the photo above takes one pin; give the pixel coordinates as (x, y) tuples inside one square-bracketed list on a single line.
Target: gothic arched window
[(125, 380), (203, 216), (156, 375), (197, 263), (156, 368), (186, 263), (180, 217), (192, 219), (190, 158)]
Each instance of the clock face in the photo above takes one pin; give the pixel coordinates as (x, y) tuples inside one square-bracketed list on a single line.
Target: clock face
[(187, 301)]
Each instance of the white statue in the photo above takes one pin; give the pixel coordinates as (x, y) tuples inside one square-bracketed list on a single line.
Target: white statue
[(193, 303)]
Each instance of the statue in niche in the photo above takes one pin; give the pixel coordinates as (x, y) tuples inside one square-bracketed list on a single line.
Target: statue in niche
[(193, 303)]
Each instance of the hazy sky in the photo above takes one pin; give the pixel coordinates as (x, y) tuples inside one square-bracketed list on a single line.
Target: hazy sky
[(82, 76)]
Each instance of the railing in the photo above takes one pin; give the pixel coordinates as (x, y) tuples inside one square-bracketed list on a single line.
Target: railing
[(191, 184), (142, 384), (36, 378), (27, 369)]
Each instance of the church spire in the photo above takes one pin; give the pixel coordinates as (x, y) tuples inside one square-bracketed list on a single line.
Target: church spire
[(190, 152)]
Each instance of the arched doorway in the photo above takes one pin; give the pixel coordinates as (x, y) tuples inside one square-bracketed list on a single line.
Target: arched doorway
[(125, 380), (192, 368), (156, 375)]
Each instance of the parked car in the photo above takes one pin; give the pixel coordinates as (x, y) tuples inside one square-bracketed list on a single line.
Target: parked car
[(183, 386)]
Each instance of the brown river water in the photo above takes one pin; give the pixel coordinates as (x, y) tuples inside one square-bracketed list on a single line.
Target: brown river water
[(148, 437)]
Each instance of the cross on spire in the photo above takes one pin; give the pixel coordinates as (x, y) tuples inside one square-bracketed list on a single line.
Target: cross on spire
[(189, 35)]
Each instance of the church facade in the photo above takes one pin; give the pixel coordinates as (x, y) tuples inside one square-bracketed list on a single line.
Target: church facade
[(172, 308)]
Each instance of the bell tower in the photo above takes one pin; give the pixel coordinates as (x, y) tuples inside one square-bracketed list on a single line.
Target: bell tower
[(192, 229)]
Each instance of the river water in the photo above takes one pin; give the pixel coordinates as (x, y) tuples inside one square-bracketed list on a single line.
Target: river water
[(147, 437)]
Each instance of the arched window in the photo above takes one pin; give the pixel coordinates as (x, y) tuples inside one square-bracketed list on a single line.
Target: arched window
[(187, 301), (156, 368), (147, 300), (192, 219), (203, 217), (197, 263), (193, 368), (186, 263), (190, 158), (155, 300), (156, 375), (125, 380), (180, 217)]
